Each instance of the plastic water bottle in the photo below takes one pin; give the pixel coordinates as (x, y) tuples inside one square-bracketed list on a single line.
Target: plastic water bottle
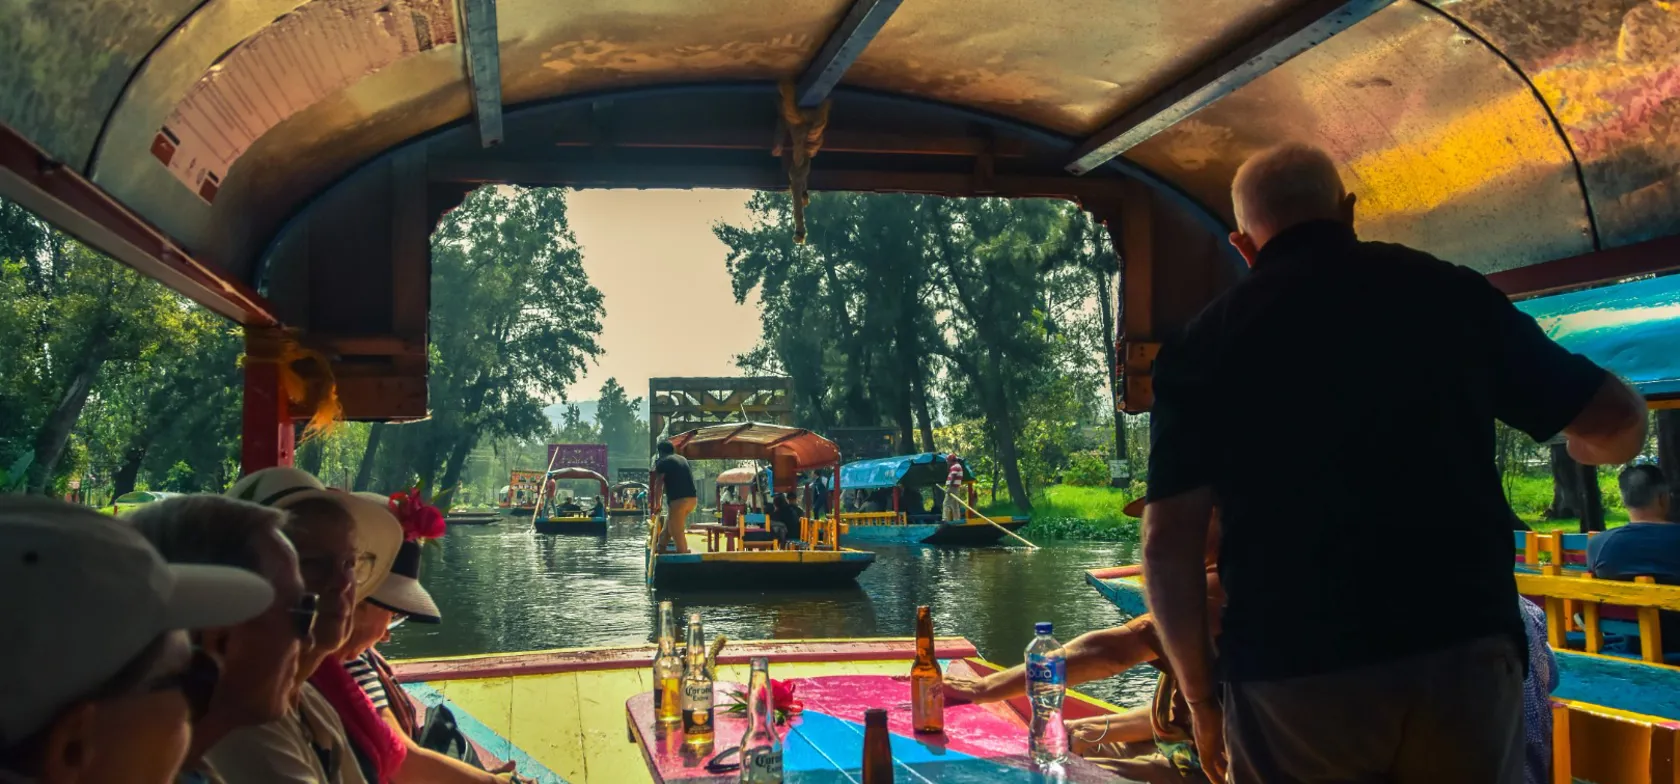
[(1046, 684)]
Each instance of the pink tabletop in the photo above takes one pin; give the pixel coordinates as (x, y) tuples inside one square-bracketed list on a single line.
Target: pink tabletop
[(981, 743)]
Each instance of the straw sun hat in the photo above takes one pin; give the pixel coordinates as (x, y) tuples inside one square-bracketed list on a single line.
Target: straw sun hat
[(377, 533)]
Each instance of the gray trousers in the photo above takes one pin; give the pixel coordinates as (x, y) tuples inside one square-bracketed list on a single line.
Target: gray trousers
[(1452, 716)]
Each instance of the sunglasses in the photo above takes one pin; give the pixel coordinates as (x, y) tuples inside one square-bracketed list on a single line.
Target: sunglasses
[(303, 616)]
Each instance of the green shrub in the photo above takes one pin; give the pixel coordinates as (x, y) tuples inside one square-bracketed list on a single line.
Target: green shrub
[(1087, 469)]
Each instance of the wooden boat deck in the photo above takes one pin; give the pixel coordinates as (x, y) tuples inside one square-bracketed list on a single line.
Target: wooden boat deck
[(560, 714)]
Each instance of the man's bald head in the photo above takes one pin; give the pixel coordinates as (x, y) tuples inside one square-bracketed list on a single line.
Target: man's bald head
[(1282, 187)]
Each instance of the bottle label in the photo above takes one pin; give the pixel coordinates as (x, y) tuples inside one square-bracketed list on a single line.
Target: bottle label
[(697, 707), (762, 764), (1046, 670), (927, 703)]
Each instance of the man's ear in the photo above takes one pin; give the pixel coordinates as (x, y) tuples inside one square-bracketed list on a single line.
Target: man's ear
[(1347, 208), (67, 751), (1245, 246)]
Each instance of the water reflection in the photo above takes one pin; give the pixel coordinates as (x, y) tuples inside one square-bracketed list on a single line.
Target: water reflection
[(504, 588)]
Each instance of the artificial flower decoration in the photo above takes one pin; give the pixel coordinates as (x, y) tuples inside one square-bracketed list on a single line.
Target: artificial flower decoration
[(420, 520), (781, 693)]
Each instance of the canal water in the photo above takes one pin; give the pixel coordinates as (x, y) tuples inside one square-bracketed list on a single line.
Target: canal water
[(504, 588)]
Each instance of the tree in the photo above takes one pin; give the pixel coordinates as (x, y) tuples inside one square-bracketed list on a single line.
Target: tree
[(514, 321), (574, 429), (619, 418)]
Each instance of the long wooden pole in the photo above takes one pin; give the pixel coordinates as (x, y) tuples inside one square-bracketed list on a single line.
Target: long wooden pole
[(994, 523), (542, 487)]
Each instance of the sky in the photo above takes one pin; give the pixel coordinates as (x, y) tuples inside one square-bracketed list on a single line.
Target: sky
[(670, 309)]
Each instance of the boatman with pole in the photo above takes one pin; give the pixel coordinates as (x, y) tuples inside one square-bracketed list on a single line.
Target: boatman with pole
[(954, 488), (680, 496)]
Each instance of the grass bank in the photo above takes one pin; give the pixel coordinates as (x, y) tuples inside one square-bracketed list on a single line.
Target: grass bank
[(1068, 512)]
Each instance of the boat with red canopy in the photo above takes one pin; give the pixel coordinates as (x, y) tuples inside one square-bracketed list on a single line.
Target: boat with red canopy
[(740, 555), (572, 516)]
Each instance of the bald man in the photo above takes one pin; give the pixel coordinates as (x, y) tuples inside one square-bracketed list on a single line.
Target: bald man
[(1352, 360)]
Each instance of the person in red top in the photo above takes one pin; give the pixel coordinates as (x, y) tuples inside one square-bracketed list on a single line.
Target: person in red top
[(954, 488)]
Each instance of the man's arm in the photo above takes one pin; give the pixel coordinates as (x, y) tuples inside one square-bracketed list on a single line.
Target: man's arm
[(1090, 656), (1612, 427), (1175, 580)]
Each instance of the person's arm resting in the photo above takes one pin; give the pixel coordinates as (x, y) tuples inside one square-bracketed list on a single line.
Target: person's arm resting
[(1175, 580)]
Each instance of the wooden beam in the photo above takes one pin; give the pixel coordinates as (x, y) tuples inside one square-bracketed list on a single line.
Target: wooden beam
[(597, 175), (1138, 344), (834, 140), (1660, 597), (482, 46), (843, 47), (59, 195), (1304, 27), (381, 397), (1602, 266)]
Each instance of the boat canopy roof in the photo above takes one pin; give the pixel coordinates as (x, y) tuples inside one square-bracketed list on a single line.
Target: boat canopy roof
[(574, 472), (623, 485), (788, 450), (211, 143), (739, 475), (927, 468)]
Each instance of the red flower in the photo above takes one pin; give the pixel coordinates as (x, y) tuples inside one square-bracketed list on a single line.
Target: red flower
[(781, 692), (419, 519)]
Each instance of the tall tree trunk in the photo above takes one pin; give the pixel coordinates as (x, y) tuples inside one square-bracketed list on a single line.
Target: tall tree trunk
[(123, 480), (1105, 311), (1592, 506), (924, 418), (1668, 446), (311, 455), (54, 434), (364, 472), (1567, 498), (452, 469)]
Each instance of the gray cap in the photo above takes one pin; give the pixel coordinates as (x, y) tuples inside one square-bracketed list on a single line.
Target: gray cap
[(84, 595)]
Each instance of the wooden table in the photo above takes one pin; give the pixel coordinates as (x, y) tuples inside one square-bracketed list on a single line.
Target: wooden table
[(981, 743), (714, 532)]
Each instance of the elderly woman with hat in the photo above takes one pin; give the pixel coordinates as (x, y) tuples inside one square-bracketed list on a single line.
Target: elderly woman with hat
[(361, 686)]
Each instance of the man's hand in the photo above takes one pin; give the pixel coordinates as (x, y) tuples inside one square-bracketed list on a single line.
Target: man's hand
[(958, 688), (1207, 721)]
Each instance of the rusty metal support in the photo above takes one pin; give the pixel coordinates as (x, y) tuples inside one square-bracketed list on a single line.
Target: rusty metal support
[(844, 46), (1302, 28), (482, 47), (62, 197), (268, 437)]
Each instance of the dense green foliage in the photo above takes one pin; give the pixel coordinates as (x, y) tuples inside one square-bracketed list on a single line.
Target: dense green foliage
[(914, 312)]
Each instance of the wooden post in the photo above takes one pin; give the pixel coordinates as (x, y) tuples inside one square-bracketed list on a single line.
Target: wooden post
[(1664, 739), (267, 438), (1650, 628), (1563, 770), (1590, 622), (1531, 550)]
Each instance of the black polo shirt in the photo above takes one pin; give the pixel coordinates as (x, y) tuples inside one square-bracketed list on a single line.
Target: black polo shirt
[(1340, 401)]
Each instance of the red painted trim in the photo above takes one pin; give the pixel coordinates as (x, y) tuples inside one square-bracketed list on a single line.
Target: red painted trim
[(594, 659), (1604, 266), (63, 197), (1113, 572), (268, 437)]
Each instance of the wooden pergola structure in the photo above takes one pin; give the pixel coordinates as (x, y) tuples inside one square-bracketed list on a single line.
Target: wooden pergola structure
[(283, 162)]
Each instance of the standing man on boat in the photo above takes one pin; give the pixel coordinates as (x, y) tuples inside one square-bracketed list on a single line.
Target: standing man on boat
[(1367, 359), (680, 496), (954, 489)]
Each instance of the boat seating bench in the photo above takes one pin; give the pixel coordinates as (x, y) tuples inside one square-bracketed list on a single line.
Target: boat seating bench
[(1560, 593)]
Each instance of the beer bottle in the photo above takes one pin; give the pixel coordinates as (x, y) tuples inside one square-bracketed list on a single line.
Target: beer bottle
[(697, 689), (927, 685), (667, 670), (877, 750), (761, 749)]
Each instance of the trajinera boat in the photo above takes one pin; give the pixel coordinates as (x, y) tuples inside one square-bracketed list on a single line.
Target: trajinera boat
[(629, 499), (573, 517), (740, 555), (885, 502)]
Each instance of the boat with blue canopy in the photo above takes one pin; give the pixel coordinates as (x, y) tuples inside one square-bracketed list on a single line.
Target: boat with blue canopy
[(899, 500)]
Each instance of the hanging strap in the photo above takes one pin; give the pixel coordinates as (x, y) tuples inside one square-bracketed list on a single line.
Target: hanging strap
[(805, 137)]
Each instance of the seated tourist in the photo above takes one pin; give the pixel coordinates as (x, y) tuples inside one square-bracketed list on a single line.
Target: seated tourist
[(378, 707), (258, 659), (599, 509), (1649, 545), (784, 518), (97, 677), (1538, 685), (1150, 744), (345, 546)]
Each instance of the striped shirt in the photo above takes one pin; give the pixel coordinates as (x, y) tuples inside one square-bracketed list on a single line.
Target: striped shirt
[(362, 669), (955, 476)]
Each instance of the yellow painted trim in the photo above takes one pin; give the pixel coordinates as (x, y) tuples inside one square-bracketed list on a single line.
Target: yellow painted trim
[(1612, 713), (1664, 597)]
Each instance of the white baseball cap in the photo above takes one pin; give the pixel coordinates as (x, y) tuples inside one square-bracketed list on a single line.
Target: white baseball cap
[(84, 595)]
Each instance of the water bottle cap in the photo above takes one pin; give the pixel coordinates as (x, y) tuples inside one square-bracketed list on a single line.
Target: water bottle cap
[(1042, 627)]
